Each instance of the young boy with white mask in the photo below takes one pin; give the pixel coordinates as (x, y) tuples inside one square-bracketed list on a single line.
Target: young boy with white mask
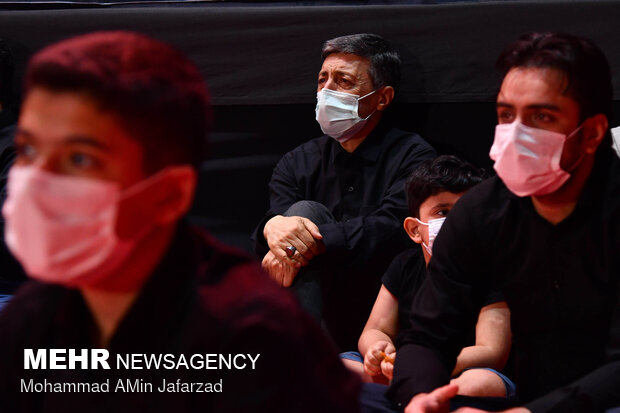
[(432, 190)]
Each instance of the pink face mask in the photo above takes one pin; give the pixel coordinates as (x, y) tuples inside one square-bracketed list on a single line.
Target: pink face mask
[(528, 160), (63, 228)]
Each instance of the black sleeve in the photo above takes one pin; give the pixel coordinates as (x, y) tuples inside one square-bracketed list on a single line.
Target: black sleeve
[(284, 191), (393, 277)]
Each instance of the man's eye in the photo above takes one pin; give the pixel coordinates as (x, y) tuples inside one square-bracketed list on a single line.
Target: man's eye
[(505, 117), (82, 160), (543, 117), (443, 212), (26, 152)]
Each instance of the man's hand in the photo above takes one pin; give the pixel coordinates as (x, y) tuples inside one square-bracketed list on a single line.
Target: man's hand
[(437, 401), (281, 232), (375, 359), (282, 272)]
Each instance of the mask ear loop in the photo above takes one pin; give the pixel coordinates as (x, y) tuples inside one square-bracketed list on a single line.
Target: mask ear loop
[(366, 95), (358, 108), (423, 243), (571, 136)]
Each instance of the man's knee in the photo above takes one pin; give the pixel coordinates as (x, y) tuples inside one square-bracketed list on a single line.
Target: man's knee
[(314, 211)]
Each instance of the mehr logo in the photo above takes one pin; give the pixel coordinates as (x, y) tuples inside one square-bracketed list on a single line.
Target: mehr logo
[(58, 359)]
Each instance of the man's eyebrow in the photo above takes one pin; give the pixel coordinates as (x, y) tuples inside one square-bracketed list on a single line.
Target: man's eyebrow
[(85, 140), (343, 73), (338, 72), (23, 133), (547, 106), (76, 139), (443, 205)]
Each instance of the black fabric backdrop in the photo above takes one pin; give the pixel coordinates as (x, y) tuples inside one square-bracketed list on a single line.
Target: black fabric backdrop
[(261, 63)]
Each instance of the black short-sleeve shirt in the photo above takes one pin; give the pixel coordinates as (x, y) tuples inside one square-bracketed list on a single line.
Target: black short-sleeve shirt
[(403, 279)]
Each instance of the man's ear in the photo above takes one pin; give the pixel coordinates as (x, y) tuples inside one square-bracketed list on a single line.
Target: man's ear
[(177, 194), (412, 227), (386, 96), (594, 130)]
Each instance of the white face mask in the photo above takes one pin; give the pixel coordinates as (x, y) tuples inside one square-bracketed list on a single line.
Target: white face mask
[(337, 113), (434, 225), (63, 228), (528, 159)]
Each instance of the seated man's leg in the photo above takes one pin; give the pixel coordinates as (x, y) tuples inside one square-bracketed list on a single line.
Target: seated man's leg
[(307, 286)]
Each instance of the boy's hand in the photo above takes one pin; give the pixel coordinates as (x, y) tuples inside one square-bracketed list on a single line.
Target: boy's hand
[(375, 355), (387, 365)]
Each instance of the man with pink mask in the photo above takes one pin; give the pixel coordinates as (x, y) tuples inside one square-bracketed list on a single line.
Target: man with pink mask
[(545, 231), (337, 201), (109, 137)]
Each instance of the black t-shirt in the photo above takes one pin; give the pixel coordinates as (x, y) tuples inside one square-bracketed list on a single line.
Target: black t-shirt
[(403, 279)]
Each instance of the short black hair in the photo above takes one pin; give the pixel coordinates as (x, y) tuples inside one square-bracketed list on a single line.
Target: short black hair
[(584, 65), (446, 173), (384, 61)]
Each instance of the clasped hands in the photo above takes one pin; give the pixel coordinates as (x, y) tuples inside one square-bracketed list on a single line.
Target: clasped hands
[(281, 232)]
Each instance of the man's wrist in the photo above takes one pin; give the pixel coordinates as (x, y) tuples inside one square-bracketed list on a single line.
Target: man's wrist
[(265, 227)]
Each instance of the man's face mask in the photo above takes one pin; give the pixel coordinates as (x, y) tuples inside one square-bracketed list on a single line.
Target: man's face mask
[(337, 113), (434, 225), (63, 229), (528, 160)]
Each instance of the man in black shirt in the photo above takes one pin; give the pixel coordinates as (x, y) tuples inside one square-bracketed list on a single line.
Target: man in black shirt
[(354, 176), (546, 231), (108, 141)]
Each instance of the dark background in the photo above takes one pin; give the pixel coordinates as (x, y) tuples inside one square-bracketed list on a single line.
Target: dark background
[(261, 61)]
